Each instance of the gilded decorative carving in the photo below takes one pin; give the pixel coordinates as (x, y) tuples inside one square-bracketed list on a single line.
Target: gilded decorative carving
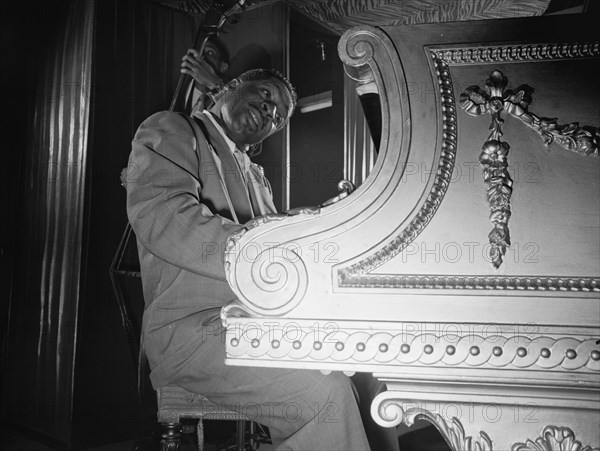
[(554, 438), (579, 139), (584, 140), (387, 411), (329, 343), (345, 187), (510, 53), (493, 158), (514, 283)]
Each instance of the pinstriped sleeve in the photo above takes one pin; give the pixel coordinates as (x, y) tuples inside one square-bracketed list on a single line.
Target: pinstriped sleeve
[(164, 198)]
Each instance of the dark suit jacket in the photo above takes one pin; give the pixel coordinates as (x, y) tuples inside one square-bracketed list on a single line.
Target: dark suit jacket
[(185, 195)]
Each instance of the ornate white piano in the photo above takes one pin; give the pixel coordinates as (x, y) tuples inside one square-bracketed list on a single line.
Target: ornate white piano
[(465, 270)]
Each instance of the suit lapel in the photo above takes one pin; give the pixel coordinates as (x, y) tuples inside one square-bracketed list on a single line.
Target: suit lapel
[(230, 172)]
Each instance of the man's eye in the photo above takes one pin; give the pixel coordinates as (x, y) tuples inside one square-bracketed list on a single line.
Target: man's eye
[(266, 93)]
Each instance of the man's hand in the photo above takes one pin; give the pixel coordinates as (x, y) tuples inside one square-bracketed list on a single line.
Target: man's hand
[(201, 71)]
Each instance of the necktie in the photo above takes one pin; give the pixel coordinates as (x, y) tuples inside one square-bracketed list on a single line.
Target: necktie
[(241, 160)]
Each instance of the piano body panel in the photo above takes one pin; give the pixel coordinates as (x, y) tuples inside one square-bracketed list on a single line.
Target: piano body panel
[(494, 343), (550, 186)]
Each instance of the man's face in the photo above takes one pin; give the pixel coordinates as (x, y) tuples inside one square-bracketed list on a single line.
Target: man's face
[(213, 56), (254, 110)]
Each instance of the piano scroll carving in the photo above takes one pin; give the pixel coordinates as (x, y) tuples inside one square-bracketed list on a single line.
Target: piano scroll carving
[(353, 274), (387, 411), (278, 272)]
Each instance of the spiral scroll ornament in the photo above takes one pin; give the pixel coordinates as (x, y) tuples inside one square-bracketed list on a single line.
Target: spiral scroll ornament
[(356, 49), (278, 277), (387, 411)]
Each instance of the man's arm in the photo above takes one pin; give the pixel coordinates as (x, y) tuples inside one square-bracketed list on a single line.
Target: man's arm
[(164, 203), (205, 79)]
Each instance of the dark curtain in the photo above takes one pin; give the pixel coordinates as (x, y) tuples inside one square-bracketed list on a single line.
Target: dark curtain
[(43, 308), (139, 45), (101, 67)]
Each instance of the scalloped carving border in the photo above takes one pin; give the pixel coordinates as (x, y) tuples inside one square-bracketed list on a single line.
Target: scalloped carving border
[(357, 275), (510, 53)]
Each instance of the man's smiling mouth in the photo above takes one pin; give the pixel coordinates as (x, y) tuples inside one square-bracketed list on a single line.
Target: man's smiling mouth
[(256, 120)]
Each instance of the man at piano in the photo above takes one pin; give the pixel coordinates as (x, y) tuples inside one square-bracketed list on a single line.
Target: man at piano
[(194, 185)]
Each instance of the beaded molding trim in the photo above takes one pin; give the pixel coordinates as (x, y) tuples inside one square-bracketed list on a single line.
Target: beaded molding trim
[(439, 349)]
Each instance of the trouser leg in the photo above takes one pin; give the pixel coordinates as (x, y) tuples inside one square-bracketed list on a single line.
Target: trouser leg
[(304, 409), (380, 438)]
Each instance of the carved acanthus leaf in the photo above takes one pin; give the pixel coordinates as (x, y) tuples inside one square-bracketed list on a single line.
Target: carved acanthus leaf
[(554, 438)]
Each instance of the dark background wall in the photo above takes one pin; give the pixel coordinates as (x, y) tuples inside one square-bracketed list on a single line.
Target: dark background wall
[(259, 39), (317, 137)]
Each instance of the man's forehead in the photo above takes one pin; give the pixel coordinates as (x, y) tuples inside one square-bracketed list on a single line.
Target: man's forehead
[(272, 83)]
